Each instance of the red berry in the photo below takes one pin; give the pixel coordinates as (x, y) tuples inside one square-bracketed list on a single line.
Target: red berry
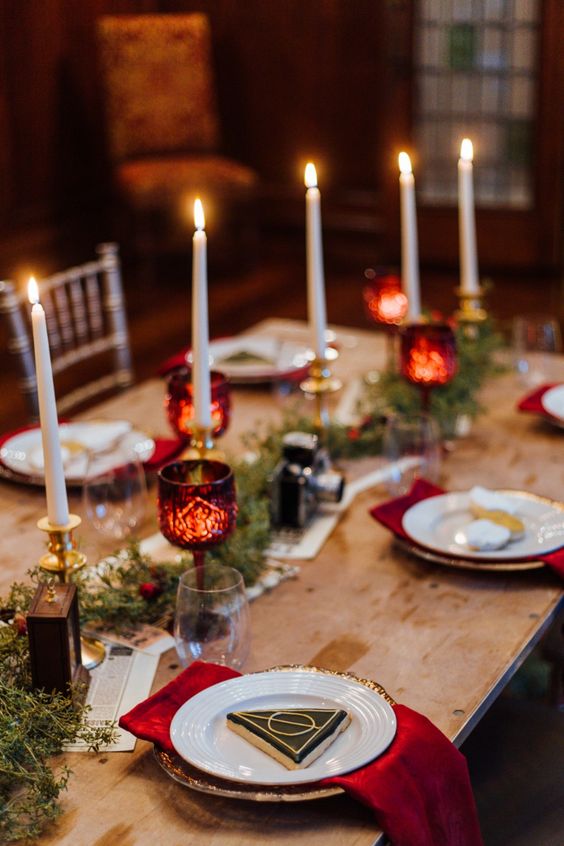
[(149, 590)]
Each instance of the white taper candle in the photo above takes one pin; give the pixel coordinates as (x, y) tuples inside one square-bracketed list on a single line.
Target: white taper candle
[(409, 245), (200, 331), (469, 281), (55, 488), (315, 274)]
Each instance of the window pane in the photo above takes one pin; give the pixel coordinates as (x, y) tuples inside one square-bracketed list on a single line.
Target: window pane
[(476, 76)]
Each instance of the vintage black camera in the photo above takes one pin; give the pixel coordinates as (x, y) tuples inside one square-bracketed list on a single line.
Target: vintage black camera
[(301, 480)]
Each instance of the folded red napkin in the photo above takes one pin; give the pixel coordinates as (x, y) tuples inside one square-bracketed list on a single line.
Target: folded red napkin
[(419, 789), (176, 360), (390, 514), (166, 449), (533, 401)]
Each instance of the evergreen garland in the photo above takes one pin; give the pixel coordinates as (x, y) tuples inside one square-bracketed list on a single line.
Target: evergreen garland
[(34, 726), (476, 346)]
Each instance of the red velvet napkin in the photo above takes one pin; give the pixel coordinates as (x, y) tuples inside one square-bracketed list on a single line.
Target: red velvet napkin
[(390, 514), (176, 360), (166, 450), (419, 789), (533, 401)]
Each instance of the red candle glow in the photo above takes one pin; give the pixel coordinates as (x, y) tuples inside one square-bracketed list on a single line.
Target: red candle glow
[(428, 354), (196, 503), (179, 403), (385, 301)]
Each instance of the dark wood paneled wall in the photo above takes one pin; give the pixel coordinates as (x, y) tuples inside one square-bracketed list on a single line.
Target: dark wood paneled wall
[(291, 79), (51, 132), (297, 79)]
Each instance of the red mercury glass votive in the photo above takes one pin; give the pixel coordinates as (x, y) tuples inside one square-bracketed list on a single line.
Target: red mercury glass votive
[(179, 403), (428, 354), (196, 503), (384, 301)]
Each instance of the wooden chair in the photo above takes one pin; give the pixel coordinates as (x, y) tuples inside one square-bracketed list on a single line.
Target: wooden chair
[(87, 328), (164, 133)]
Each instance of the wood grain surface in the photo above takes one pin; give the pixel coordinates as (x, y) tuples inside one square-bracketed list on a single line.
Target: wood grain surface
[(439, 640)]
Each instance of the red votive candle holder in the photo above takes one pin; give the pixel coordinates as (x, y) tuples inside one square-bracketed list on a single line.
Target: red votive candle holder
[(179, 403), (384, 300), (428, 354), (196, 503)]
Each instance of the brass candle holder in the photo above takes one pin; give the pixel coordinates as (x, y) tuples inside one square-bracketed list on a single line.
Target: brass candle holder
[(320, 383), (63, 559), (202, 446), (470, 308)]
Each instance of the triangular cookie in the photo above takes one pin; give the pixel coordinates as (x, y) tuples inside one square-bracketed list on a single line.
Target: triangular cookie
[(293, 737)]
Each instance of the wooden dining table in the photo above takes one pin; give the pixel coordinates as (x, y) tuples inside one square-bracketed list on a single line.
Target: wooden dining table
[(442, 640)]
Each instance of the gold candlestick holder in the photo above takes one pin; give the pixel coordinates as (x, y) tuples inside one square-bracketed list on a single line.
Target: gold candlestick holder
[(202, 446), (470, 308), (319, 384), (63, 559)]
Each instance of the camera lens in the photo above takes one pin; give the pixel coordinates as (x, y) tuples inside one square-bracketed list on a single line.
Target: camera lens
[(329, 486)]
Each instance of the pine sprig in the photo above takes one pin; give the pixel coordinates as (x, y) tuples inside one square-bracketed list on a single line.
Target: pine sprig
[(129, 588), (34, 726)]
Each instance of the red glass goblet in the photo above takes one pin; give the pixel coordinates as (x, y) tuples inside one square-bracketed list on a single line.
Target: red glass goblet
[(384, 300), (386, 305), (179, 403), (196, 505), (428, 356)]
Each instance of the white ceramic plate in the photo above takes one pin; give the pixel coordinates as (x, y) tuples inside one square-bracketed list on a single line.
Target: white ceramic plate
[(108, 440), (553, 402), (253, 358), (200, 735), (438, 523)]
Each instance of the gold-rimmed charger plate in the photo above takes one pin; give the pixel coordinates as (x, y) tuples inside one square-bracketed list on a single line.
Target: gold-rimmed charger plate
[(466, 564), (182, 772), (435, 524)]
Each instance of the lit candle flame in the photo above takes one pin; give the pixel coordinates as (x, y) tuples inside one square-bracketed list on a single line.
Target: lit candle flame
[(466, 150), (199, 219), (404, 163), (32, 290), (310, 177)]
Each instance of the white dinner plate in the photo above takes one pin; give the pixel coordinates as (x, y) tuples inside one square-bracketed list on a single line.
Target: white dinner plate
[(254, 358), (108, 441), (553, 402), (438, 523), (200, 734)]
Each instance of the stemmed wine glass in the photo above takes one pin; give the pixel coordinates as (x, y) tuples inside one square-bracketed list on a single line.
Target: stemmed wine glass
[(428, 356), (385, 304), (197, 505), (115, 491), (197, 510)]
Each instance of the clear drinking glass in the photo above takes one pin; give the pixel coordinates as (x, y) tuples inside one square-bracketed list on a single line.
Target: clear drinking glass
[(115, 492), (536, 338), (412, 450), (212, 616)]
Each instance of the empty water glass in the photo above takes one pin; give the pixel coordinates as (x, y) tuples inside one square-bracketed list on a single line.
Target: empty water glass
[(115, 492), (212, 616), (412, 450), (536, 338)]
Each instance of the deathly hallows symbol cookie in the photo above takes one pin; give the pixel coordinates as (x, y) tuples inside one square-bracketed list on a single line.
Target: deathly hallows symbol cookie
[(295, 738)]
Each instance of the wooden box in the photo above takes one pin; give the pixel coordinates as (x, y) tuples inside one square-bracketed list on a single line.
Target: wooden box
[(54, 638)]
